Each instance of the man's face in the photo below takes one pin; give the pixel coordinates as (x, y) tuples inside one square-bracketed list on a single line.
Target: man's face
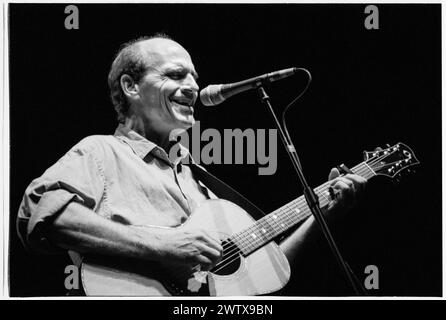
[(168, 91)]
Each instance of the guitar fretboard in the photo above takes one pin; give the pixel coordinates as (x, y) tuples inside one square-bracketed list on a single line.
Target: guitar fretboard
[(277, 222)]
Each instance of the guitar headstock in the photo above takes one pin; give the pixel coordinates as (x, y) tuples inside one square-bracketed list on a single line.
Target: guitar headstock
[(392, 161)]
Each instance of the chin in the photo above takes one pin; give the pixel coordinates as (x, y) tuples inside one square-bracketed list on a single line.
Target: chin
[(186, 122), (181, 126)]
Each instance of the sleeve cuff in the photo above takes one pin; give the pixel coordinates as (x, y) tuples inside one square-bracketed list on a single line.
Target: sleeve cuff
[(51, 204)]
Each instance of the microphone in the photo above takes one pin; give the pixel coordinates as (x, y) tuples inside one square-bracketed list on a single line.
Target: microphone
[(217, 93)]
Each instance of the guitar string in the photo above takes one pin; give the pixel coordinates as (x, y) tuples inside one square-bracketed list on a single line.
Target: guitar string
[(358, 169), (230, 259), (365, 169), (239, 237), (290, 207), (323, 193), (388, 164), (237, 250), (283, 214), (234, 254), (266, 236), (271, 235), (285, 209), (305, 213)]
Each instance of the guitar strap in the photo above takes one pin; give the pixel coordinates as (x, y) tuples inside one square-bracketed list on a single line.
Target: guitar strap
[(224, 191)]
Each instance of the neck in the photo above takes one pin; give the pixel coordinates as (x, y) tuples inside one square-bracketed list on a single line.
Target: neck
[(146, 130), (270, 226)]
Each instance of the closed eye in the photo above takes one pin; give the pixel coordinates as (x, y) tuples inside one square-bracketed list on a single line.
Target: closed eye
[(180, 74), (176, 75)]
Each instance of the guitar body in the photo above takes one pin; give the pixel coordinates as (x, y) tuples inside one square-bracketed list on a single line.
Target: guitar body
[(263, 271)]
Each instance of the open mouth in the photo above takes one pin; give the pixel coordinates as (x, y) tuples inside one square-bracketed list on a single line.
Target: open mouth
[(185, 105)]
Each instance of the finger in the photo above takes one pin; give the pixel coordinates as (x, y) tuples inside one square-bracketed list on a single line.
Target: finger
[(342, 180), (204, 262), (357, 180), (333, 174), (208, 258), (345, 187), (213, 255), (344, 184), (211, 241)]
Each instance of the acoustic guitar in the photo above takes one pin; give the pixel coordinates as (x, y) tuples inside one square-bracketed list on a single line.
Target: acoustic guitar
[(252, 263)]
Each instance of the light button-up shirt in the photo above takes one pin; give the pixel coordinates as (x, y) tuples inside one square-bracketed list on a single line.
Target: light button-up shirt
[(123, 177)]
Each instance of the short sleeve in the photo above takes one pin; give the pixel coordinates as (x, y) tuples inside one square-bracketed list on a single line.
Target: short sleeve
[(78, 176)]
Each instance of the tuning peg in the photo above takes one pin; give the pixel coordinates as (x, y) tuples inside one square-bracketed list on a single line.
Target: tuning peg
[(387, 145)]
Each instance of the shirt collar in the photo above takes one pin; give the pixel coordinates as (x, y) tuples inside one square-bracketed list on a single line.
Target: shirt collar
[(143, 147)]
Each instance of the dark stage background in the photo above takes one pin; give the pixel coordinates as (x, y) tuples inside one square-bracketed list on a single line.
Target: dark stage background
[(370, 87)]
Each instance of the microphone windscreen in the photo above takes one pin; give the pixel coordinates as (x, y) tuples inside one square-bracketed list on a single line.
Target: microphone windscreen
[(211, 95)]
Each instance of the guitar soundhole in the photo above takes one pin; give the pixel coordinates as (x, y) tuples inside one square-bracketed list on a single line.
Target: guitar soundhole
[(230, 261)]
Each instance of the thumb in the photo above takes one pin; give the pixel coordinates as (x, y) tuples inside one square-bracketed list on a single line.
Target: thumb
[(333, 174)]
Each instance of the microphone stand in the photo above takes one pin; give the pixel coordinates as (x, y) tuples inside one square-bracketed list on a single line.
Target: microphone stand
[(310, 196)]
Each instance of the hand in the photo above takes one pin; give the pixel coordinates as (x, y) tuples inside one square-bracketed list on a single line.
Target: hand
[(344, 190), (191, 248)]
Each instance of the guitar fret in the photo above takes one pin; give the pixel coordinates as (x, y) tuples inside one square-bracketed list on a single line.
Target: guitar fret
[(364, 170), (287, 216), (283, 219)]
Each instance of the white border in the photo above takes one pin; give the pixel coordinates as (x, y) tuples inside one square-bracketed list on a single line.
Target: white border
[(4, 197), (4, 160)]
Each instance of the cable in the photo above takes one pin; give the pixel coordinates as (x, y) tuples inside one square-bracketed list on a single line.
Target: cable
[(290, 104)]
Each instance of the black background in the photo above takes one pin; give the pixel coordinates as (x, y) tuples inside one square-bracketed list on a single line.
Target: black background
[(370, 87)]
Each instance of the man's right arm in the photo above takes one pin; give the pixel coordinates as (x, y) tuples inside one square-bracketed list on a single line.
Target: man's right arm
[(57, 211), (79, 229)]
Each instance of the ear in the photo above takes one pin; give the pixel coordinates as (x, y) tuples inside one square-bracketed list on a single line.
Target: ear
[(129, 86)]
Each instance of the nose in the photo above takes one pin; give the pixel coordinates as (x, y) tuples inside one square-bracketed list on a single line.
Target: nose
[(190, 84)]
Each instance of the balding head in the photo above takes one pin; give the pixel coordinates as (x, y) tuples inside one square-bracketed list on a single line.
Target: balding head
[(154, 49), (133, 59)]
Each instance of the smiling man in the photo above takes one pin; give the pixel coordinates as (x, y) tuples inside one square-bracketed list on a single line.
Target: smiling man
[(158, 97), (96, 199)]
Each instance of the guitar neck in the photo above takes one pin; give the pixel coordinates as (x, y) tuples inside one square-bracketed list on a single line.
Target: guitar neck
[(277, 222)]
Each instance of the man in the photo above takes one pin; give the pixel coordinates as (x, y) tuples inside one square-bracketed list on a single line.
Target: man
[(95, 198)]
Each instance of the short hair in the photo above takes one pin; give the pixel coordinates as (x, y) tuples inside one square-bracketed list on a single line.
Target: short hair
[(129, 61)]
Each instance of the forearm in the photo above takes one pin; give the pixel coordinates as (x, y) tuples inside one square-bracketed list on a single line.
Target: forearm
[(79, 229), (296, 243), (308, 235)]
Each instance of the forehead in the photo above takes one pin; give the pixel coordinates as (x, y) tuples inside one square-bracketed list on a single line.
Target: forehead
[(160, 53)]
